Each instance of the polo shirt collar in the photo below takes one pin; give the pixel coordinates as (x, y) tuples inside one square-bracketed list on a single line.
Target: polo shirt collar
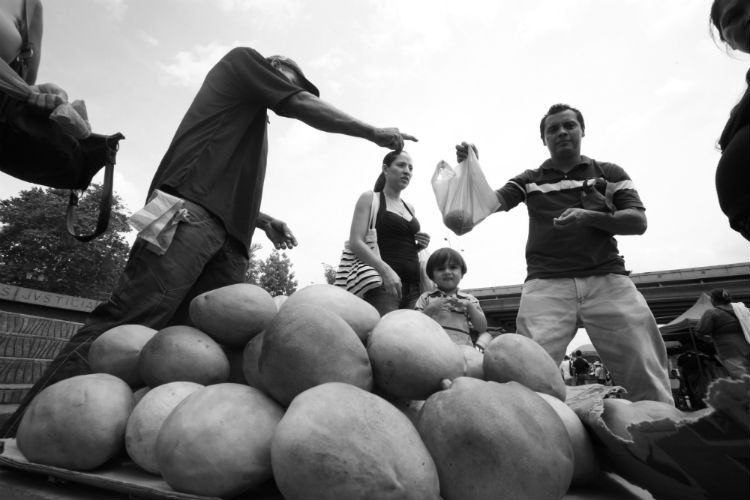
[(548, 165), (439, 293)]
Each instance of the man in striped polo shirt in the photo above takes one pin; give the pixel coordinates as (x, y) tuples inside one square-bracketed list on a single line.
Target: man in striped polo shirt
[(575, 274)]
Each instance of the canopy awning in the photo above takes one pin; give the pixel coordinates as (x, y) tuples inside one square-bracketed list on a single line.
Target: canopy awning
[(687, 320)]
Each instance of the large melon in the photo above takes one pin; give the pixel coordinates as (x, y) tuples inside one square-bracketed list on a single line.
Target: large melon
[(410, 355), (217, 441), (77, 423), (146, 420), (233, 314), (513, 357), (359, 314), (182, 353), (585, 463), (492, 440), (250, 357), (337, 441), (116, 352), (305, 346), (409, 407)]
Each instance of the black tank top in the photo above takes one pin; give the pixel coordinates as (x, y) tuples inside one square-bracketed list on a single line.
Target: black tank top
[(396, 242)]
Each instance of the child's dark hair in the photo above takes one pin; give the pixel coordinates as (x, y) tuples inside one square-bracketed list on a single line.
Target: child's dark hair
[(443, 257)]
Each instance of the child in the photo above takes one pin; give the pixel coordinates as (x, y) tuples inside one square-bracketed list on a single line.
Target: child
[(457, 312)]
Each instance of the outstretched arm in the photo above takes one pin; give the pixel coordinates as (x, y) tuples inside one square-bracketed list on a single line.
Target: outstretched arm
[(324, 116)]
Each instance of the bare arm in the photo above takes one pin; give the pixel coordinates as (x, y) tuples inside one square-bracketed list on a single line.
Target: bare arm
[(478, 320), (324, 116), (627, 221), (357, 232), (44, 95)]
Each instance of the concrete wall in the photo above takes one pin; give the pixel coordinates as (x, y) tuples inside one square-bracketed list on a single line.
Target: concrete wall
[(20, 300)]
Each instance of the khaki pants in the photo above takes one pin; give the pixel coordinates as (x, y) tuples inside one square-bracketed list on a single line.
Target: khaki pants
[(617, 320)]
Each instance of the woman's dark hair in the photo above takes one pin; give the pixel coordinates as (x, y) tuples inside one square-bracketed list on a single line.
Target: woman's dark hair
[(444, 257), (387, 160), (715, 13), (720, 296), (559, 108)]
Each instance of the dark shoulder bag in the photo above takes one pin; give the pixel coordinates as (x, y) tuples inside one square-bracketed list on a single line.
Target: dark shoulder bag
[(35, 149)]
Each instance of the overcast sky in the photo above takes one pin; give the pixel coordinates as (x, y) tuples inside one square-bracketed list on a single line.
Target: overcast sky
[(654, 88)]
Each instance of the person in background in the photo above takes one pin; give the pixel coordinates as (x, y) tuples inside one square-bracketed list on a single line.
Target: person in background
[(566, 370), (399, 236), (679, 391), (600, 373), (722, 325), (575, 273), (731, 18), (457, 312), (581, 368), (214, 170)]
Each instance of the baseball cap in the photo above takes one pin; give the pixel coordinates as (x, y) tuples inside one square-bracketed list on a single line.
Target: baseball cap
[(306, 84)]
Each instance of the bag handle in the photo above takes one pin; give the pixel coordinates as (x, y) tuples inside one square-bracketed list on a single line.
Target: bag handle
[(105, 204), (374, 207), (27, 50)]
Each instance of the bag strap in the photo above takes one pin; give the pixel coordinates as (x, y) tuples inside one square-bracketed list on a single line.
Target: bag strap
[(105, 204), (374, 209), (27, 50)]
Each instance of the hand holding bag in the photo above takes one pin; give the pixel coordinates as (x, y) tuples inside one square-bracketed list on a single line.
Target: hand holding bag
[(38, 149), (463, 194), (35, 149), (353, 274)]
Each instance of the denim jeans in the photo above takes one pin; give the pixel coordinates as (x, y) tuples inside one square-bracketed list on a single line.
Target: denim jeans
[(384, 302), (154, 291), (617, 320)]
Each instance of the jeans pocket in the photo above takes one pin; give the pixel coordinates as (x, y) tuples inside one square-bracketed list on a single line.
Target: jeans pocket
[(197, 215), (531, 286)]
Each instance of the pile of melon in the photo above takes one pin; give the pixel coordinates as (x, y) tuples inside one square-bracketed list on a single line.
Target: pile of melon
[(321, 395)]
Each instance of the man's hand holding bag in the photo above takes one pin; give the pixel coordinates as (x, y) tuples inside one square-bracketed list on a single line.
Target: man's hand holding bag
[(463, 194)]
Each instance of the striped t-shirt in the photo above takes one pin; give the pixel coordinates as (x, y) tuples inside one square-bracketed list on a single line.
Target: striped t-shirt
[(547, 192)]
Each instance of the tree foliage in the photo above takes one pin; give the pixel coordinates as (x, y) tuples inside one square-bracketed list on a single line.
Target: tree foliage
[(251, 275), (275, 274), (329, 273), (37, 252)]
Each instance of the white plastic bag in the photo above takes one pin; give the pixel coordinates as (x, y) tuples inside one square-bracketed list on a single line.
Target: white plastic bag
[(463, 195)]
